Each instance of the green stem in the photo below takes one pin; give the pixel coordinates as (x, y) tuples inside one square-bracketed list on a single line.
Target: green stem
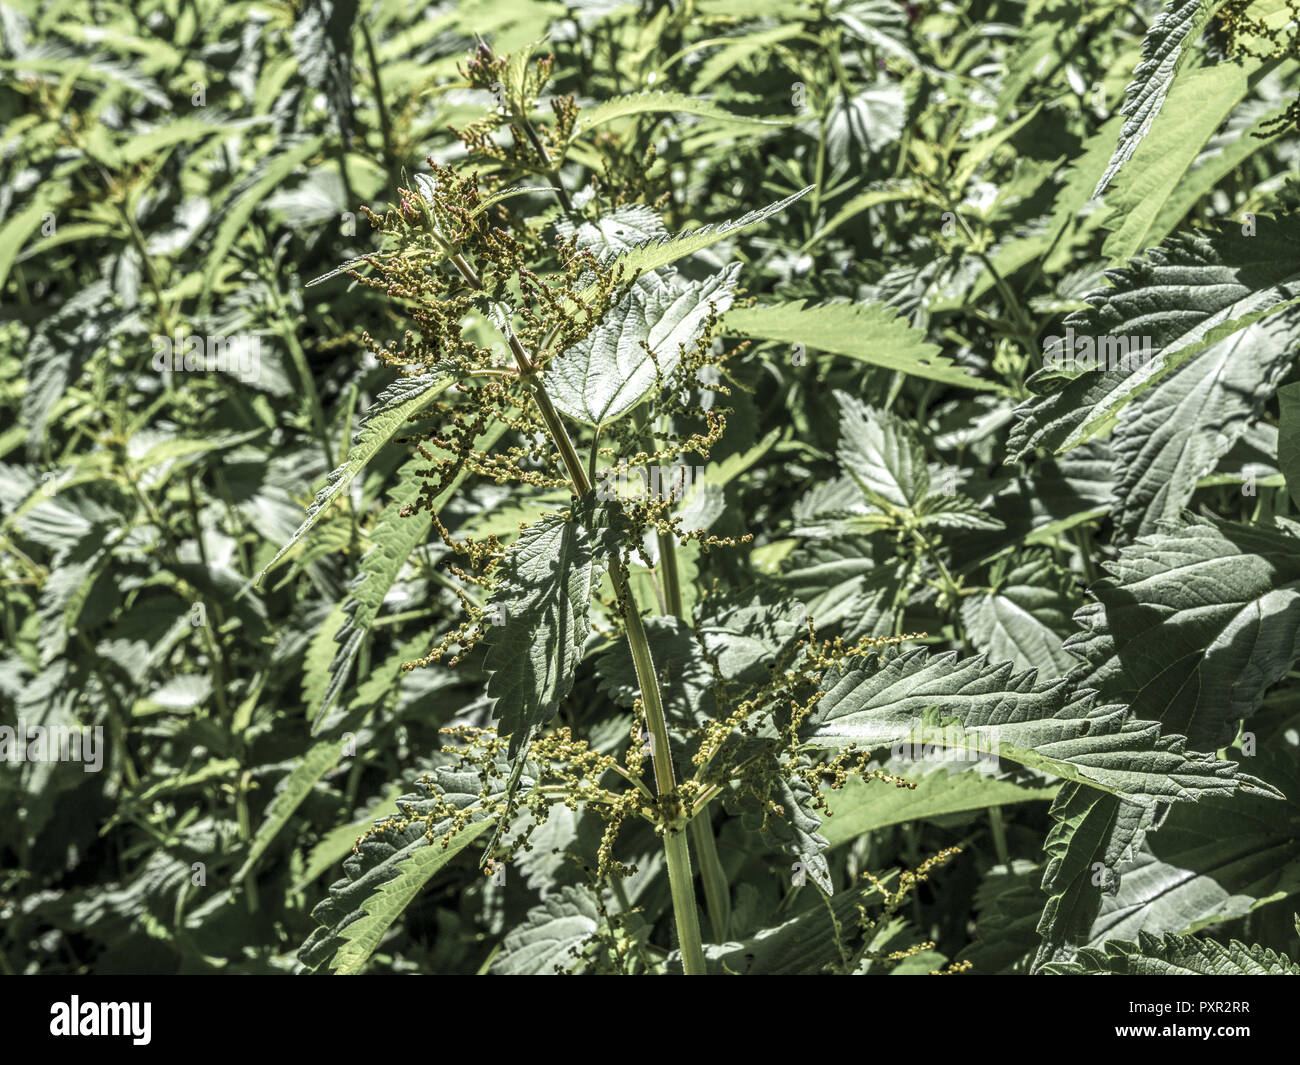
[(999, 836), (289, 334), (1023, 325), (385, 127), (675, 848), (717, 894), (548, 166), (1083, 541), (951, 589)]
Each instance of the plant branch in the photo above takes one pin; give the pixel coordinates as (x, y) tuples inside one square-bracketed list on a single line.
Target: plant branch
[(675, 848)]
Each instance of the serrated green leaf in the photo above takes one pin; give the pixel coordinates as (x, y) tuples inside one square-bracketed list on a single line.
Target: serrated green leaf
[(1049, 728), (1175, 433), (1215, 862), (795, 831), (645, 103), (361, 938), (318, 761), (394, 406), (393, 539), (870, 333), (1164, 50), (1189, 294), (1198, 105), (882, 455), (234, 217), (861, 126), (1025, 618), (542, 602), (1171, 955), (552, 937), (610, 371), (663, 251), (381, 881), (1193, 625)]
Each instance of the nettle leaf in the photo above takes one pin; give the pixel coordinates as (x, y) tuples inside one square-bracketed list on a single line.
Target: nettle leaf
[(552, 938), (883, 457), (1111, 875), (1172, 955), (1288, 439), (795, 829), (236, 212), (914, 696), (1025, 617), (325, 755), (1007, 905), (881, 454), (543, 601), (1174, 434), (66, 590), (663, 250), (322, 43), (393, 408), (1093, 834), (821, 937), (872, 333), (391, 866), (638, 345), (60, 346), (1214, 862), (832, 507), (1187, 295), (18, 226), (319, 760), (1198, 105), (617, 232), (1164, 50), (648, 103), (1246, 133), (840, 581), (316, 662), (747, 633), (393, 539), (1193, 625), (859, 127), (948, 510)]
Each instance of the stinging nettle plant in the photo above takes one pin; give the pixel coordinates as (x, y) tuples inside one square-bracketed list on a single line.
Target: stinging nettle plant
[(714, 568), (612, 366), (549, 350)]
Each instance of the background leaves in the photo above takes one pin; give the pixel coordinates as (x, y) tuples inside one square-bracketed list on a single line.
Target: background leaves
[(892, 208)]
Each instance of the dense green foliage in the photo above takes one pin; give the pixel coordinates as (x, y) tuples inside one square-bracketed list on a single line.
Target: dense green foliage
[(759, 487)]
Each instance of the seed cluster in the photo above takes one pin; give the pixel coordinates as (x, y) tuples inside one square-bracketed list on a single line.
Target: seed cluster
[(867, 924)]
